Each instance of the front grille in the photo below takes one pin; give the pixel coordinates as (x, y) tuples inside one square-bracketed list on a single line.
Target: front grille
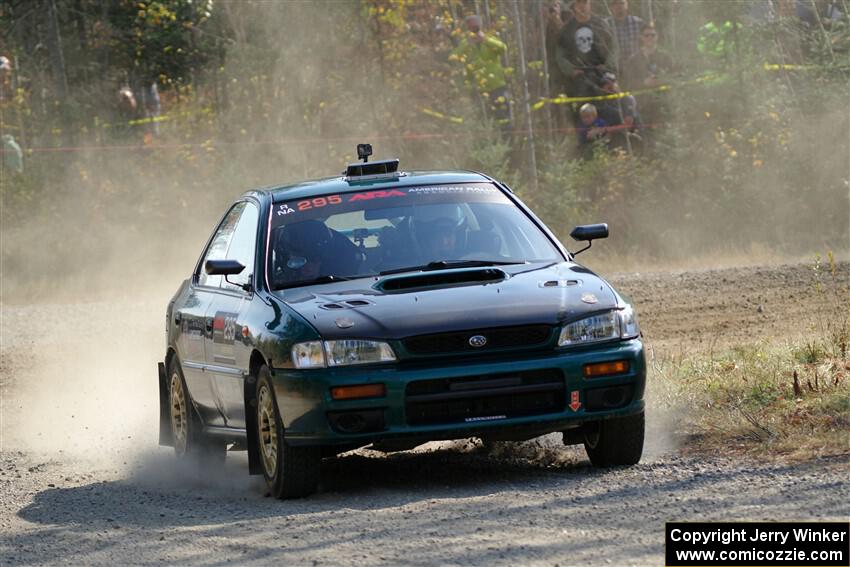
[(501, 337), (474, 398)]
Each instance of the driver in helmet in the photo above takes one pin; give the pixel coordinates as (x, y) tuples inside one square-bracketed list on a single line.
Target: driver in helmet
[(302, 248), (438, 230)]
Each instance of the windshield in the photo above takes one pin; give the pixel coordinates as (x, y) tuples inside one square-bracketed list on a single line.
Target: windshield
[(337, 237)]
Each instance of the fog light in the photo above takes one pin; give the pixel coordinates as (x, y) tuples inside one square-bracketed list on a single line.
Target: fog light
[(358, 392), (606, 368), (357, 421)]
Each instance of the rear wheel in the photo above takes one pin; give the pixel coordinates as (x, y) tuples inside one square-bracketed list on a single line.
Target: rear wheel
[(190, 443), (616, 441), (290, 471)]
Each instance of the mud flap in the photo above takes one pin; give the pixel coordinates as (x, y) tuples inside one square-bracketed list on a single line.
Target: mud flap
[(574, 435), (250, 395), (165, 437)]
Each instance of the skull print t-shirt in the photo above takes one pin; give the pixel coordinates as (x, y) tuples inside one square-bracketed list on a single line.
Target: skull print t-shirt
[(586, 44)]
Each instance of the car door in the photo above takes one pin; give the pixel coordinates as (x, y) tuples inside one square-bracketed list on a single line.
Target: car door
[(227, 354), (194, 315)]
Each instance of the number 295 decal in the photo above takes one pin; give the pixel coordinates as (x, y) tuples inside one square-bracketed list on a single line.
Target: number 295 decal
[(319, 202)]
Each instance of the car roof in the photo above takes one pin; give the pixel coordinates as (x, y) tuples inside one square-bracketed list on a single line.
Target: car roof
[(331, 185)]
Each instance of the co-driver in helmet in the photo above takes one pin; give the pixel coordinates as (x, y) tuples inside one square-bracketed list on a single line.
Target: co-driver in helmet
[(438, 230)]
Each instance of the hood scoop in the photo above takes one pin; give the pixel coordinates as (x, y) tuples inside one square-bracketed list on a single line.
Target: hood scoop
[(345, 304), (441, 279)]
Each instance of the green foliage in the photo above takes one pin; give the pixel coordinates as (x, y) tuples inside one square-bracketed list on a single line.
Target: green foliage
[(159, 40)]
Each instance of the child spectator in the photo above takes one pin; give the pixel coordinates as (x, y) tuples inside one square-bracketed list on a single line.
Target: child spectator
[(591, 129)]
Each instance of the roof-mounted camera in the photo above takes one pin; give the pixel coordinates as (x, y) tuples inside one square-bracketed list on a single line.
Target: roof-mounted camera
[(364, 151)]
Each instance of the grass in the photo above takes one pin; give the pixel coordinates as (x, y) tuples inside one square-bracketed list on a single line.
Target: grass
[(769, 400)]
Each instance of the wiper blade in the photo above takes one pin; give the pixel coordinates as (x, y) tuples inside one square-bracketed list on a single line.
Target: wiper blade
[(319, 280), (442, 264)]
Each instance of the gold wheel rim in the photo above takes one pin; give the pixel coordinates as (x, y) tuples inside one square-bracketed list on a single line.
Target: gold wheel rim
[(179, 425), (267, 424)]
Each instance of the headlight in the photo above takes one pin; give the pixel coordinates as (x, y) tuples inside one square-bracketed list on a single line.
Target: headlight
[(342, 353), (629, 323), (318, 354), (603, 327), (617, 324)]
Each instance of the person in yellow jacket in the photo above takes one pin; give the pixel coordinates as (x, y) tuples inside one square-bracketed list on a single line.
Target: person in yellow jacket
[(481, 55)]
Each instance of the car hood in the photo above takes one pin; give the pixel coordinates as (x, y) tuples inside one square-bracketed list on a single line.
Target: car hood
[(519, 295)]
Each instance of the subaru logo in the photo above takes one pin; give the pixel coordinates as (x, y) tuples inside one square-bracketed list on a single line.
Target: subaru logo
[(477, 341)]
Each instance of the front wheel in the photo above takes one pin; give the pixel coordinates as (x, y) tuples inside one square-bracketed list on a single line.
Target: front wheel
[(290, 472), (616, 441)]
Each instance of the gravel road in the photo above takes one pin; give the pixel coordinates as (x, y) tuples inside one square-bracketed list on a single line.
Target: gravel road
[(83, 482)]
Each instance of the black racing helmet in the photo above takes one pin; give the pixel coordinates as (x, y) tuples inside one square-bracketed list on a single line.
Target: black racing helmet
[(309, 239), (431, 222)]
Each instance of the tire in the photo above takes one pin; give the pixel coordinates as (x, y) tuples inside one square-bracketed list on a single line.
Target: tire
[(290, 471), (190, 443), (615, 442)]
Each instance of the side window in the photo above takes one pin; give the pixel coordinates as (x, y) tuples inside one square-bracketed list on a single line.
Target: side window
[(220, 243), (242, 247)]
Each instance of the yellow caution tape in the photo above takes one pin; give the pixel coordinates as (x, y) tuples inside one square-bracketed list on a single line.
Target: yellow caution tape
[(784, 67), (542, 102), (441, 116), (149, 120), (614, 96)]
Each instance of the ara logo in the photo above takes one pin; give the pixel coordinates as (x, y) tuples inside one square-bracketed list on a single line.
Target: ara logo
[(376, 195), (285, 210), (477, 341)]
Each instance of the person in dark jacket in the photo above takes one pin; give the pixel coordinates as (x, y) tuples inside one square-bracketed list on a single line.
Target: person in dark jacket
[(585, 50), (648, 69)]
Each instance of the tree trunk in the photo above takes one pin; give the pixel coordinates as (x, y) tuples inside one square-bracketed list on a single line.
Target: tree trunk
[(532, 158), (57, 64), (541, 14)]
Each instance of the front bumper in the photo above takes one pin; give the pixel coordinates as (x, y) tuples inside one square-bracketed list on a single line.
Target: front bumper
[(308, 410)]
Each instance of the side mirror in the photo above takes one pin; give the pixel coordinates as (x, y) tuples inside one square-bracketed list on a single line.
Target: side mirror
[(223, 267), (589, 233)]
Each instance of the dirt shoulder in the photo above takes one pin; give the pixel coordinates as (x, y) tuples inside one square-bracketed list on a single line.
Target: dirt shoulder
[(715, 309)]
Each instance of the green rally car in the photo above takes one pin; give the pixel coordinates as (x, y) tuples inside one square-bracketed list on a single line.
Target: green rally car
[(388, 309)]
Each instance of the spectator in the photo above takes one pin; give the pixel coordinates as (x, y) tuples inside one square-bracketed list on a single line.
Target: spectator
[(6, 91), (554, 23), (553, 16), (151, 109), (13, 157), (620, 115), (831, 12), (647, 69), (591, 129), (585, 50), (626, 29), (481, 55), (125, 111)]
